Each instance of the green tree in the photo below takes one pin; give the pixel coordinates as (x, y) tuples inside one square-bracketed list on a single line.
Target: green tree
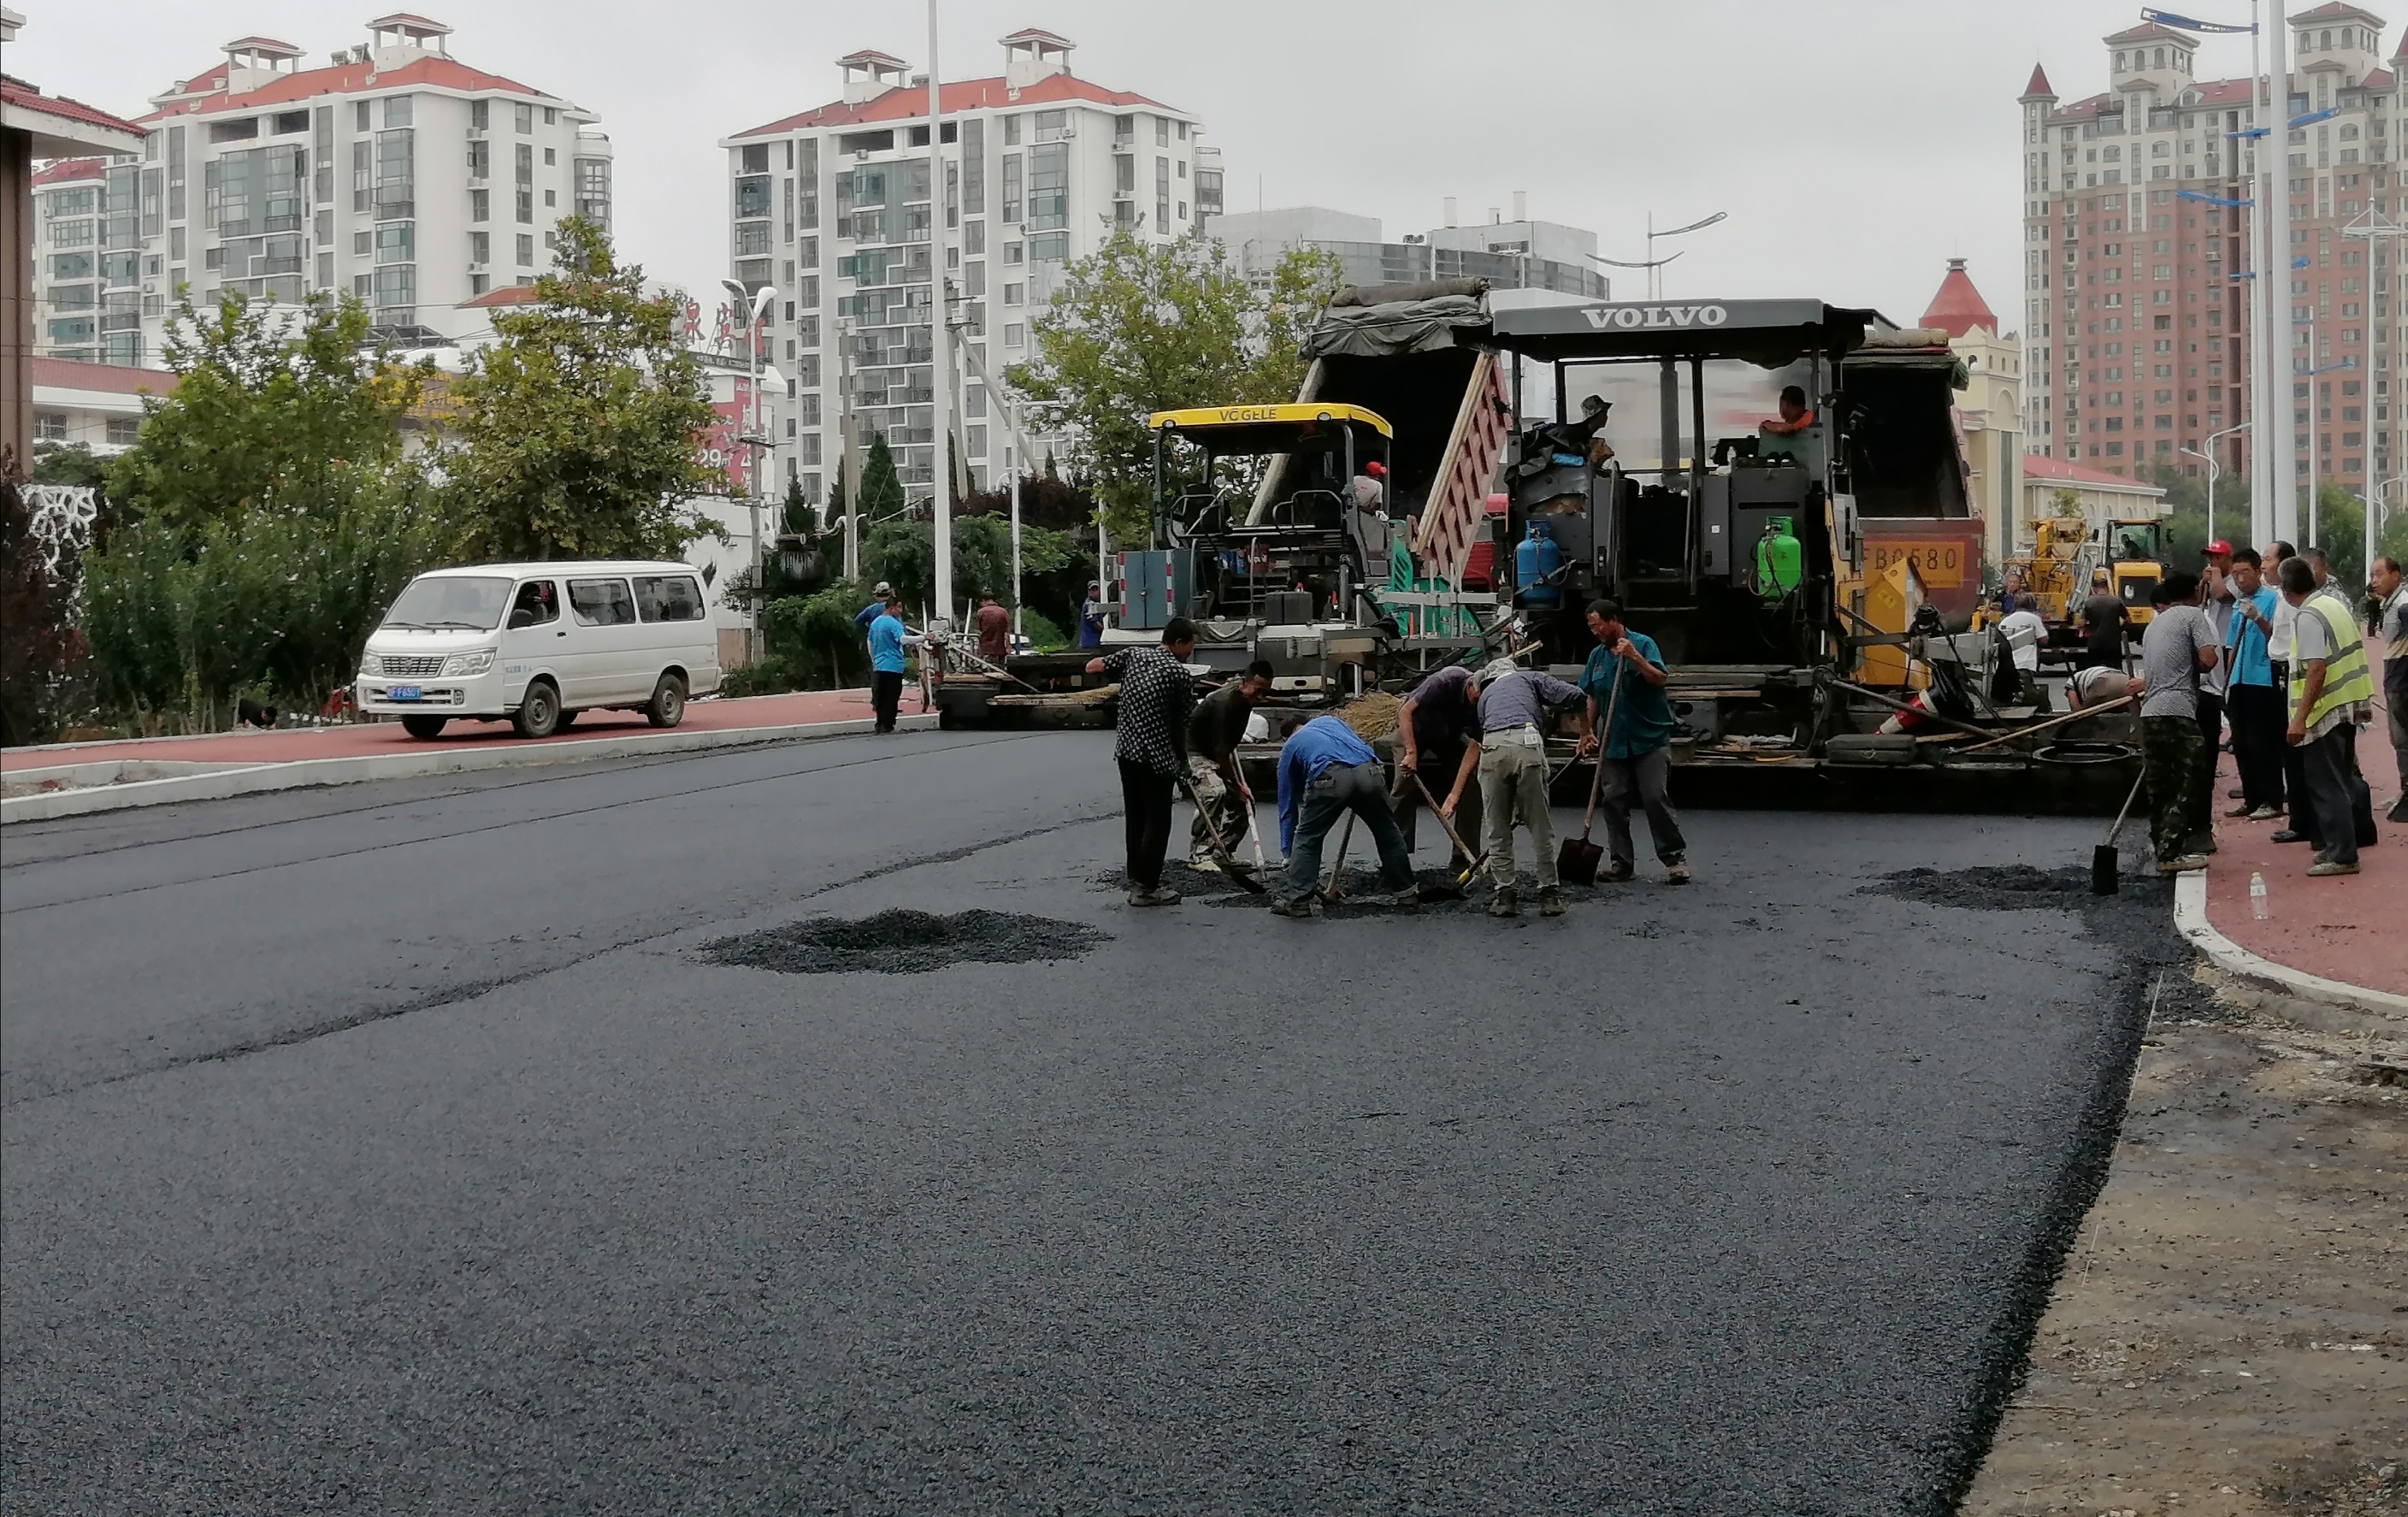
[(576, 429), (272, 405), (903, 552), (882, 488), (1300, 289), (795, 515)]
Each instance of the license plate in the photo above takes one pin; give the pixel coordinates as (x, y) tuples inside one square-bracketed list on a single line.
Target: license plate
[(402, 692)]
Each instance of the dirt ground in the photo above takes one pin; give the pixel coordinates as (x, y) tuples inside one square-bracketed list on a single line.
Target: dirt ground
[(2229, 1336)]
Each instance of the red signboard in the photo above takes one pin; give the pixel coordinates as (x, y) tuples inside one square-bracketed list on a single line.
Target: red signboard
[(721, 448)]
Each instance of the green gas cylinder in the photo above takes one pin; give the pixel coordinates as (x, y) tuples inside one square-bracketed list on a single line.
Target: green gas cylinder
[(1779, 560)]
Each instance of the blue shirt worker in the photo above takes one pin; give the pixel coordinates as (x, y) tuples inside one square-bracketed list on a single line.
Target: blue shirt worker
[(887, 639), (876, 607), (2253, 699), (1514, 703), (1326, 771), (1625, 676), (1091, 616)]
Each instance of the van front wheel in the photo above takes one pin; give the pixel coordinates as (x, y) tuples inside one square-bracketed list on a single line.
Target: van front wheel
[(667, 708), (538, 713), (423, 727)]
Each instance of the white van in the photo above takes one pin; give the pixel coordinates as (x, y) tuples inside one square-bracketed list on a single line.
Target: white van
[(538, 643)]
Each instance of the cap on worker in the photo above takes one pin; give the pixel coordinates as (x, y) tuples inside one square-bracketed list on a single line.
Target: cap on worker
[(882, 587), (1497, 670), (2219, 549), (1376, 470), (2097, 577)]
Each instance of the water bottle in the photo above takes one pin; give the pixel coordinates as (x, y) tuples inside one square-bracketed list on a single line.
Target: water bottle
[(2258, 905)]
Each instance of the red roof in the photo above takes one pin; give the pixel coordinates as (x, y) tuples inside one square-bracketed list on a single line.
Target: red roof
[(346, 79), (508, 294), (67, 169), (1958, 308), (2337, 11), (2380, 79), (2151, 31), (2224, 92), (16, 93), (2401, 50), (2039, 85), (2058, 470), (116, 379), (907, 102)]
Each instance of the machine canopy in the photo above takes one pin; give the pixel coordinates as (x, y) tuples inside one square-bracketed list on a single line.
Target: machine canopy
[(1230, 431), (1770, 333)]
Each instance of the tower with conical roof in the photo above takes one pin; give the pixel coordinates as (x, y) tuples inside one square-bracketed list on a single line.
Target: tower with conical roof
[(1958, 308), (1990, 409)]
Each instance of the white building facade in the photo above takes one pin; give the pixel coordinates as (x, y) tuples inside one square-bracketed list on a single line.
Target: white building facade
[(838, 208), (397, 174), (87, 301), (1519, 254)]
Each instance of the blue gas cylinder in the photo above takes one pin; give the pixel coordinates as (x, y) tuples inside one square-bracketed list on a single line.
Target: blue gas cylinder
[(1536, 558)]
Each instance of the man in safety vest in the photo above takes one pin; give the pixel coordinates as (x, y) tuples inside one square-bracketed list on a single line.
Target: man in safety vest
[(2332, 691)]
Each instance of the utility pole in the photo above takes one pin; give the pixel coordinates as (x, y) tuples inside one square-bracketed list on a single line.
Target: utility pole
[(2276, 439), (939, 358), (1011, 404), (847, 451)]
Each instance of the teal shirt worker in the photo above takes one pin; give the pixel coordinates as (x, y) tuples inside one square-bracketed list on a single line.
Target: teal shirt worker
[(1643, 716), (886, 644)]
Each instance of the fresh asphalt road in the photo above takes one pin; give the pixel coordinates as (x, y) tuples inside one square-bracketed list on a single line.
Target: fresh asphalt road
[(393, 1148)]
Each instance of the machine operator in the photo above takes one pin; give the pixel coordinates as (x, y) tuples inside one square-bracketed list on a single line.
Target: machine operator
[(1782, 433)]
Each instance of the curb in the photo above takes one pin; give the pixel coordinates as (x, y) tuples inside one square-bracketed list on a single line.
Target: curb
[(2190, 920), (294, 774)]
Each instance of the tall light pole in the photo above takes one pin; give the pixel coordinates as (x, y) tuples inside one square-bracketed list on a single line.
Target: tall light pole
[(940, 356), (1653, 265), (2215, 467), (2282, 453), (2377, 230), (755, 306)]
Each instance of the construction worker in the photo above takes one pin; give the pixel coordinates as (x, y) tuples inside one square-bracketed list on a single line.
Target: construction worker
[(1782, 434), (876, 607), (2391, 595), (2102, 626), (888, 638), (2253, 699), (1158, 695), (994, 631), (1325, 771), (1626, 675), (1091, 616), (1213, 733), (1514, 703), (2332, 691), (2179, 647), (1438, 739)]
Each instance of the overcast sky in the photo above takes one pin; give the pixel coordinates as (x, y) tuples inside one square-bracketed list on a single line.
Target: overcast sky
[(1857, 145)]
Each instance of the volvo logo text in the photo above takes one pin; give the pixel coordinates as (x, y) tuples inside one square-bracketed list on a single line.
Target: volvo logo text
[(1632, 317)]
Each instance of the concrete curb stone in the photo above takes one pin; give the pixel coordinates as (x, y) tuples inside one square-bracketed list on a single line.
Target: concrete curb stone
[(2190, 920), (254, 779)]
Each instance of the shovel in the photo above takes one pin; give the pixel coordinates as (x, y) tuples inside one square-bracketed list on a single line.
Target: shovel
[(2104, 857), (1576, 861), (1236, 872), (1330, 888), (1447, 889)]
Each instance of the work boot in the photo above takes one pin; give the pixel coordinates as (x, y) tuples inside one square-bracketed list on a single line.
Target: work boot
[(1504, 903), (1158, 896), (1550, 902), (2399, 811), (1203, 862), (2244, 809), (2331, 867), (1676, 871), (1617, 872), (1410, 895), (2186, 863), (2288, 834), (1301, 911), (2268, 813)]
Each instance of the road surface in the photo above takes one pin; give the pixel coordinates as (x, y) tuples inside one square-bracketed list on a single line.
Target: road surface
[(401, 1147)]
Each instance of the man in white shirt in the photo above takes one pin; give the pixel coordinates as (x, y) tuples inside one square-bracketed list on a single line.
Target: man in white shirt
[(2280, 636), (2215, 603), (2025, 632)]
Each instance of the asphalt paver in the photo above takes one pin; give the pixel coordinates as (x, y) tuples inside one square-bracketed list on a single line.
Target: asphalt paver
[(412, 1152)]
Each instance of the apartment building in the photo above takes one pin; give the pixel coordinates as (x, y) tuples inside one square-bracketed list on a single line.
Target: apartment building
[(72, 319), (2136, 297), (838, 208), (395, 172), (1517, 254)]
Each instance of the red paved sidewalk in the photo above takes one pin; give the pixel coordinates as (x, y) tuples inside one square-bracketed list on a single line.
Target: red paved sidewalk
[(2353, 928), (367, 737)]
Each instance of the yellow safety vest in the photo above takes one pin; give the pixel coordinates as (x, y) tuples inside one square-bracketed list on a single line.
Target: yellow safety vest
[(2347, 677)]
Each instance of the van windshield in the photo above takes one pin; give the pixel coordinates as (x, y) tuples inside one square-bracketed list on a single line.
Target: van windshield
[(474, 603)]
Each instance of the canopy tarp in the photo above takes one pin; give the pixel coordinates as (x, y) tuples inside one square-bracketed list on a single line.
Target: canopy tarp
[(1398, 326)]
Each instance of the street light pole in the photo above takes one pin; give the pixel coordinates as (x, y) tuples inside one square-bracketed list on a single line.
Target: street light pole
[(755, 308), (939, 358), (2278, 442), (2214, 468)]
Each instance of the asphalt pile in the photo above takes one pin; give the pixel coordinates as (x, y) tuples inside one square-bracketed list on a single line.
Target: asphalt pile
[(904, 942)]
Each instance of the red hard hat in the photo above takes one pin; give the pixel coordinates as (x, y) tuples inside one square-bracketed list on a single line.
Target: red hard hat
[(1376, 470)]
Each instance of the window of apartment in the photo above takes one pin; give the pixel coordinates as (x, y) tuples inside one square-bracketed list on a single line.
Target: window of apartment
[(1052, 247), (1015, 336), (1011, 187), (363, 243), (526, 250), (526, 168), (241, 131), (1162, 132), (1050, 124), (362, 173), (551, 157), (396, 111), (1048, 183), (753, 195), (176, 174), (481, 204), (481, 159), (396, 242), (396, 172), (522, 118), (480, 115), (973, 168), (751, 238), (1011, 253), (807, 252), (1162, 195), (481, 247), (551, 198), (50, 426), (753, 158), (526, 207), (394, 286)]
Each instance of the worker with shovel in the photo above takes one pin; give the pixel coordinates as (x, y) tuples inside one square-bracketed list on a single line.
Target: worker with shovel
[(1224, 803), (1324, 772), (1514, 703), (1626, 676)]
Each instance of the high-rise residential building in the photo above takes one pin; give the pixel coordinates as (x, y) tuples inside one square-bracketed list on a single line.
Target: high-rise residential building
[(2136, 329), (1518, 254), (836, 207), (396, 173), (72, 272)]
